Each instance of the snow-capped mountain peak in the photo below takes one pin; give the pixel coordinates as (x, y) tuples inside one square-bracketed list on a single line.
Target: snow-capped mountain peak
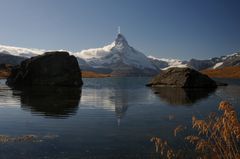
[(121, 41), (117, 53), (120, 44)]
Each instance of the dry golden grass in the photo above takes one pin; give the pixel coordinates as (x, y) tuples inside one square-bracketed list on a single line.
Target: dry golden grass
[(162, 147), (217, 137), (218, 134), (91, 74), (178, 129), (226, 72)]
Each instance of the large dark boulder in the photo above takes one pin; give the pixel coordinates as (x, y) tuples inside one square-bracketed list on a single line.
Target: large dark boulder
[(50, 69), (182, 77)]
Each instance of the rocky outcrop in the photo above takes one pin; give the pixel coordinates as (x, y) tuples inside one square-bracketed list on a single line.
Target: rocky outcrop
[(50, 69), (182, 77), (6, 58)]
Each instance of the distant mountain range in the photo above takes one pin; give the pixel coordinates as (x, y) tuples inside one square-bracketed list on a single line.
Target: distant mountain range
[(216, 62), (121, 59)]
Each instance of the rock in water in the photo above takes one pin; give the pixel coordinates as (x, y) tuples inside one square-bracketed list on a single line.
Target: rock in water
[(182, 77), (50, 69)]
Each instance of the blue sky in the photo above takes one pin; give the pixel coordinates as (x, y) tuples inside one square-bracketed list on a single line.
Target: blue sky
[(180, 29)]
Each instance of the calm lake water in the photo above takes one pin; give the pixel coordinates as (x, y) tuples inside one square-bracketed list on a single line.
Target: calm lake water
[(107, 118)]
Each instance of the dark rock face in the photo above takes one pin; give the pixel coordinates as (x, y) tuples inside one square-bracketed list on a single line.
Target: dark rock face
[(201, 64), (5, 58), (51, 69), (182, 77)]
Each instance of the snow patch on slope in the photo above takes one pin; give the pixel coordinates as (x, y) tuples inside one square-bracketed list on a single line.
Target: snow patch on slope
[(217, 65), (171, 62), (94, 53)]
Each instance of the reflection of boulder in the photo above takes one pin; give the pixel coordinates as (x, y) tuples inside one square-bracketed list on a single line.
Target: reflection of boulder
[(182, 77), (181, 96), (51, 68), (52, 102)]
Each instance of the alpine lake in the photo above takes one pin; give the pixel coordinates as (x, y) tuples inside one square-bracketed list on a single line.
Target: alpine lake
[(106, 118)]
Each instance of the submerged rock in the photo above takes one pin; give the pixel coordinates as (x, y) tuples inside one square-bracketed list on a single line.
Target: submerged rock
[(52, 69), (182, 77)]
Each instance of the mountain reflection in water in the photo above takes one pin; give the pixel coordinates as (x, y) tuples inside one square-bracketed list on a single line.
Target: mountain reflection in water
[(182, 96), (56, 102)]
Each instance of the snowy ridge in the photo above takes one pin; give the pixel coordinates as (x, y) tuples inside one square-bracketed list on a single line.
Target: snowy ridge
[(170, 62), (24, 52), (229, 56), (18, 51), (94, 53)]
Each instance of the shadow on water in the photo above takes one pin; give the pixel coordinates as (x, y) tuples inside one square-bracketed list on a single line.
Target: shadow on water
[(53, 102), (182, 96)]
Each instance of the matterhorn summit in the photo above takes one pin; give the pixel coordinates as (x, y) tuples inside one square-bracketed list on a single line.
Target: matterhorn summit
[(118, 58), (121, 42)]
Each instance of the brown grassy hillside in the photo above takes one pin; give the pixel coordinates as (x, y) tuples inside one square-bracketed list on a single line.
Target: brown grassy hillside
[(85, 74), (5, 70), (4, 74), (91, 74), (226, 72)]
